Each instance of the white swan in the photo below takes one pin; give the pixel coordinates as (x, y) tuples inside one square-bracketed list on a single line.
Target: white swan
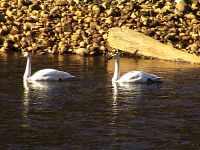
[(44, 74), (132, 76)]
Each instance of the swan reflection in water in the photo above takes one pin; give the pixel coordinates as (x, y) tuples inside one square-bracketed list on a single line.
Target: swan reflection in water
[(31, 89), (125, 95), (122, 91), (42, 96), (132, 96), (133, 93), (127, 100)]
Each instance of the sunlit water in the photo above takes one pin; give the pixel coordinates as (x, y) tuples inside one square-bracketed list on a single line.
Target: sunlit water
[(91, 113)]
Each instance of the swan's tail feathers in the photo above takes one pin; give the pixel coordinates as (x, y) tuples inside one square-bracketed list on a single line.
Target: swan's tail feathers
[(69, 77), (156, 79), (72, 76)]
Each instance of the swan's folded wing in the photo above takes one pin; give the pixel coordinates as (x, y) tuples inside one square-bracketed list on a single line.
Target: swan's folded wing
[(130, 77), (138, 76), (50, 74)]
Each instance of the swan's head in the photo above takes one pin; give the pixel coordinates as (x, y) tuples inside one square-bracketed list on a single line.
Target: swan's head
[(26, 54), (114, 56)]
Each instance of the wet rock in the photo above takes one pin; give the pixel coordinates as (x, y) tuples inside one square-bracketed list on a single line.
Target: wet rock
[(81, 51), (9, 45), (3, 49), (95, 50), (63, 50), (63, 47), (54, 49)]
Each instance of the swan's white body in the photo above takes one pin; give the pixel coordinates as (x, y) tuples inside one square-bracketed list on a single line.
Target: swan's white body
[(133, 76), (44, 74)]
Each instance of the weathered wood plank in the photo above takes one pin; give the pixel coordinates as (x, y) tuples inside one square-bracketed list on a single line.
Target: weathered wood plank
[(131, 41)]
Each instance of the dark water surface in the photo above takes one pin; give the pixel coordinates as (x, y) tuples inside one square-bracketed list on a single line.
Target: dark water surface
[(91, 113)]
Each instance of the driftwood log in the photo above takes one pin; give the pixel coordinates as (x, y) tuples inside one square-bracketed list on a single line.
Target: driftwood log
[(134, 42)]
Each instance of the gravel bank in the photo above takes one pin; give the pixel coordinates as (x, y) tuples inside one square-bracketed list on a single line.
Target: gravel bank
[(81, 27)]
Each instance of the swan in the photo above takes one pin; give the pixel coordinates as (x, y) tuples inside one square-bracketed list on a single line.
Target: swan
[(132, 76), (44, 74)]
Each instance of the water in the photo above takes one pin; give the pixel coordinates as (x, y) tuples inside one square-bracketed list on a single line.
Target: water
[(92, 113)]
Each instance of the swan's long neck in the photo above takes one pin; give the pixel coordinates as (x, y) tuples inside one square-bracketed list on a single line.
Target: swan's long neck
[(27, 72), (116, 71)]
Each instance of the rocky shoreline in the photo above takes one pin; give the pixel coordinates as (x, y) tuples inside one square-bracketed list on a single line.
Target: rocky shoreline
[(81, 27)]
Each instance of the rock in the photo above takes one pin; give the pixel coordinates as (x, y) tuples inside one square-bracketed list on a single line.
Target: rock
[(198, 13), (9, 13), (84, 23), (82, 44), (4, 4), (79, 13), (103, 48), (77, 1), (106, 4), (181, 6), (186, 38), (109, 20), (96, 10), (94, 50), (8, 43), (194, 47), (34, 7), (190, 16), (81, 51), (194, 5), (63, 50), (1, 41), (14, 30), (111, 12), (124, 39), (178, 1), (75, 37), (3, 49), (55, 49), (63, 2), (4, 30)]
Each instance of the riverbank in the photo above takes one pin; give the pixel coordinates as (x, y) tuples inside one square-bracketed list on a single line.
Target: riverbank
[(81, 27)]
